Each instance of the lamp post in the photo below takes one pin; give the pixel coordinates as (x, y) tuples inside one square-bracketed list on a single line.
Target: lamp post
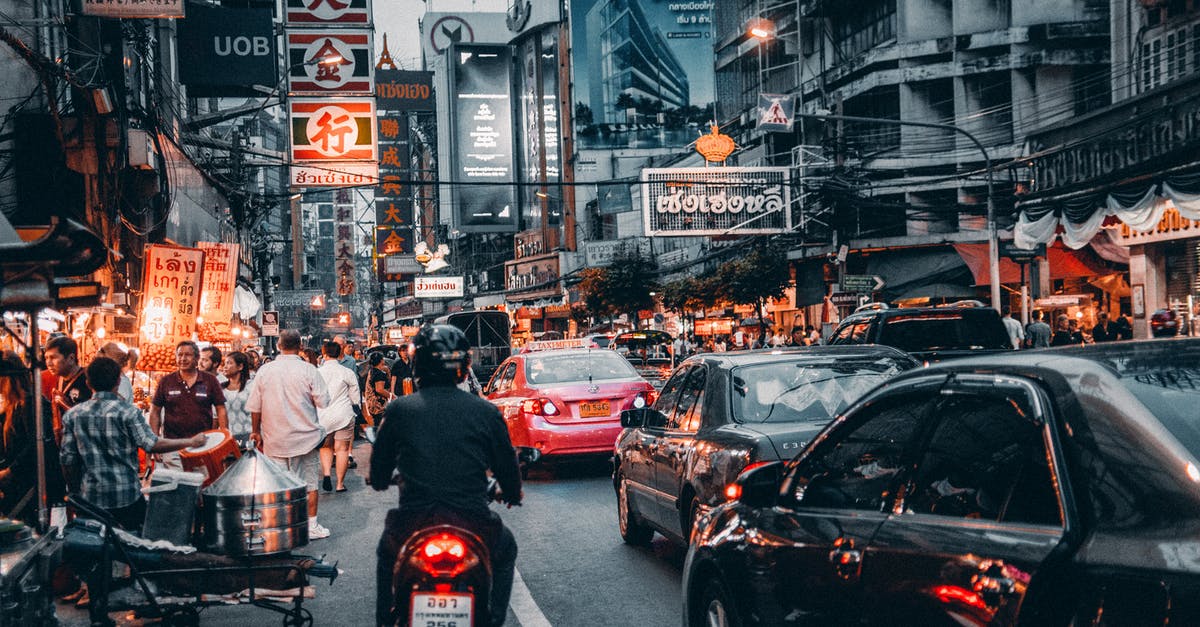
[(992, 235)]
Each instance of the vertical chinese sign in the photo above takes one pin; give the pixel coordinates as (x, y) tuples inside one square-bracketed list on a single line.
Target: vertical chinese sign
[(170, 302), (398, 94), (343, 247), (216, 299)]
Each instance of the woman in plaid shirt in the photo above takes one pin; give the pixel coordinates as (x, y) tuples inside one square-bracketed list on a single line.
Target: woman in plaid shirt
[(99, 447)]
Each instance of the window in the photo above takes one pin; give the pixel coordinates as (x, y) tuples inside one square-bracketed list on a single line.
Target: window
[(691, 398), (1146, 67), (506, 378), (842, 335), (986, 460), (1156, 63), (551, 369), (858, 335), (857, 467), (670, 392), (805, 390)]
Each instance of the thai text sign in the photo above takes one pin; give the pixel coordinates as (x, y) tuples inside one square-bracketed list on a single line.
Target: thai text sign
[(334, 141), (539, 276), (716, 201), (404, 90), (328, 12), (438, 287), (170, 294), (330, 61), (133, 8), (1172, 226), (216, 299)]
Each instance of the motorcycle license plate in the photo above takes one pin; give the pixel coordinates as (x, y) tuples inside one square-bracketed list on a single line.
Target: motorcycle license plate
[(441, 609), (594, 409)]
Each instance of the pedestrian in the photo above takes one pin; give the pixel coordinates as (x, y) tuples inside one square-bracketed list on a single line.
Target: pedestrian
[(375, 392), (210, 362), (1124, 328), (18, 446), (113, 351), (1016, 334), (237, 391), (99, 457), (1062, 331), (779, 339), (311, 356), (70, 387), (814, 336), (1037, 332), (347, 358), (402, 377), (283, 408), (338, 417), (187, 401), (1104, 331), (1075, 333), (719, 344)]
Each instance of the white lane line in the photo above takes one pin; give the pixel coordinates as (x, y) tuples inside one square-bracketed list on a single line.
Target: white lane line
[(522, 604)]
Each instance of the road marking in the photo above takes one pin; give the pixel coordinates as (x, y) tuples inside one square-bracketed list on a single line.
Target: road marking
[(522, 604)]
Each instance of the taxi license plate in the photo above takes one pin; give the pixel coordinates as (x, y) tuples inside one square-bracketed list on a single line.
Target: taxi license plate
[(594, 409), (441, 610)]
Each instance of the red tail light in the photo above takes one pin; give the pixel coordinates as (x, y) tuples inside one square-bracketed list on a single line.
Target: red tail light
[(643, 399), (444, 555), (733, 491), (539, 407)]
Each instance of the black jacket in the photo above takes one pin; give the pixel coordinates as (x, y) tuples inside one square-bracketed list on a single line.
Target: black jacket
[(444, 440)]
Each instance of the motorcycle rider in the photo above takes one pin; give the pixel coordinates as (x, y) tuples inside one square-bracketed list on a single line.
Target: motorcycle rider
[(443, 441)]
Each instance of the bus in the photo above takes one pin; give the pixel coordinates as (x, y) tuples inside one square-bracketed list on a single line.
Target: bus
[(490, 334)]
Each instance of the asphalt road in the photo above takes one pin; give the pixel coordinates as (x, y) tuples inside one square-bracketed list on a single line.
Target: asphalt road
[(573, 568)]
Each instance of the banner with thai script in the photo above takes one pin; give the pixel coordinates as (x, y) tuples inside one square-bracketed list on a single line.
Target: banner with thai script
[(216, 299), (134, 8), (716, 201), (171, 288)]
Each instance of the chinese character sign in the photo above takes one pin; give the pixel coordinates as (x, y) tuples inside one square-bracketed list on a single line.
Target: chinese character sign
[(333, 141), (328, 12), (343, 249), (170, 301), (216, 299), (329, 61)]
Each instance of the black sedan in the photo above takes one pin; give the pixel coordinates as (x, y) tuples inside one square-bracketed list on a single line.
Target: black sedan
[(1039, 488), (720, 412)]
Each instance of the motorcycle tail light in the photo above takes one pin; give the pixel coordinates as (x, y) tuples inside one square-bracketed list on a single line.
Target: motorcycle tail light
[(444, 555)]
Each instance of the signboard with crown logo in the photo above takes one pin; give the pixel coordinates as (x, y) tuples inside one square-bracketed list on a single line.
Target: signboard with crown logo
[(330, 62)]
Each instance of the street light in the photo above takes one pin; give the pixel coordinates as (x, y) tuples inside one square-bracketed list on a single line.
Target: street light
[(992, 235)]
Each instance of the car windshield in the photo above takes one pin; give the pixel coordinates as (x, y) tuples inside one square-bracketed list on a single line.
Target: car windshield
[(552, 369), (943, 331), (1171, 391), (643, 347), (806, 390)]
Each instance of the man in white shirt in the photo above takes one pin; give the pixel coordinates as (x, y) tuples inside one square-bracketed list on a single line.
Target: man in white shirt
[(283, 417), (338, 417), (1016, 333)]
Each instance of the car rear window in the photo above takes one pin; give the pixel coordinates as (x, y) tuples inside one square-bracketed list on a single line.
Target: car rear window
[(1171, 391), (944, 331), (597, 365), (804, 390)]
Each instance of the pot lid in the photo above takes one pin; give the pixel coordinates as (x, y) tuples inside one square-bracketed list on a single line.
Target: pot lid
[(252, 475)]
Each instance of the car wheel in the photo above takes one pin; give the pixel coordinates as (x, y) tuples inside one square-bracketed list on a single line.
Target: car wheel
[(633, 531), (714, 608)]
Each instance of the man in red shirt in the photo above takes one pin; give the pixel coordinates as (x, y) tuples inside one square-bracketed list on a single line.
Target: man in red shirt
[(187, 401)]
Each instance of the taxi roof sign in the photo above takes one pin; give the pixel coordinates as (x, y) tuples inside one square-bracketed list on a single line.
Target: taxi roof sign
[(549, 345)]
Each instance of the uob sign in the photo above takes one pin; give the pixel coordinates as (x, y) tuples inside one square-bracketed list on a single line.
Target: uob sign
[(223, 51)]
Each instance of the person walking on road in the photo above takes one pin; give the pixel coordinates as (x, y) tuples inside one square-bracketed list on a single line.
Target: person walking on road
[(283, 406), (1037, 334), (338, 417), (187, 401), (1016, 334)]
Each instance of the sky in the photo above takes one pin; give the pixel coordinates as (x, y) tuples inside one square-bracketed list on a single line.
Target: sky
[(398, 18)]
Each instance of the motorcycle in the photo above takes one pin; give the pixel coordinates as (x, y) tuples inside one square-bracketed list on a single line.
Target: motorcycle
[(443, 573)]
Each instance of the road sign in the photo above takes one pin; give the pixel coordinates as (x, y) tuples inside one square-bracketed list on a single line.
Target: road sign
[(270, 324), (1021, 255), (864, 283), (847, 299)]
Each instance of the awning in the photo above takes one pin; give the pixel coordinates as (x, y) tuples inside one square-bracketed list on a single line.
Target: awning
[(905, 269), (1064, 264), (938, 290)]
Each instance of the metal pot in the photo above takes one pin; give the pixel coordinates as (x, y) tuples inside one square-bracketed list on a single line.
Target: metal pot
[(255, 508)]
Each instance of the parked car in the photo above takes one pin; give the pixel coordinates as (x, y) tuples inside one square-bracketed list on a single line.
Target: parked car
[(720, 412), (566, 402), (927, 333), (649, 351), (1042, 488)]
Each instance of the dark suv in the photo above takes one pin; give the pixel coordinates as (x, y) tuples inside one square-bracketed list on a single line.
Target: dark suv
[(927, 333)]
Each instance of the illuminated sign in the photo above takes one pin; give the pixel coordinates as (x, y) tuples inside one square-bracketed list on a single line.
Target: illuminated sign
[(216, 299), (483, 139), (134, 8), (716, 201), (171, 287), (333, 141), (348, 71), (438, 287), (403, 90), (328, 12)]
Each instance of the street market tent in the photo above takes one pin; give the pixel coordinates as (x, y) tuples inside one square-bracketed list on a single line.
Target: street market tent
[(1064, 264)]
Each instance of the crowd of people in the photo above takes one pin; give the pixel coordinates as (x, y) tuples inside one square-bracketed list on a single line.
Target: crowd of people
[(1066, 330), (747, 338)]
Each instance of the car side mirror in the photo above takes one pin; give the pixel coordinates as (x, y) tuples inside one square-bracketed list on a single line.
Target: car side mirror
[(633, 418), (758, 486)]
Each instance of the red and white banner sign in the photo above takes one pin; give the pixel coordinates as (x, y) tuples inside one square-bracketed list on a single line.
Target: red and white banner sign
[(328, 130), (330, 62), (328, 12), (216, 299)]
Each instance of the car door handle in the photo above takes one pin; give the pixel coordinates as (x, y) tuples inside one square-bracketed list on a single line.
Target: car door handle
[(846, 560)]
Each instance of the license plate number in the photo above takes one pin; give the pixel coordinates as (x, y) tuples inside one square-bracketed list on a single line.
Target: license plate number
[(594, 409), (441, 610)]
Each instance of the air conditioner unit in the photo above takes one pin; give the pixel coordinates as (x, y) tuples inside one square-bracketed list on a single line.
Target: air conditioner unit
[(142, 153)]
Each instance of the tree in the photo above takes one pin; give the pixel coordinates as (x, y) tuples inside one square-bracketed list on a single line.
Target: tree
[(625, 102), (630, 279), (593, 286), (762, 274), (583, 115)]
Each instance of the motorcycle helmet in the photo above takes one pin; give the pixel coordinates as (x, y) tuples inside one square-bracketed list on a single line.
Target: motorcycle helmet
[(1164, 323), (441, 355)]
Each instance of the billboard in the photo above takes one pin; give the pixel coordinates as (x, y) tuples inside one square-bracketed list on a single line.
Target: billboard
[(353, 73), (635, 72), (482, 138), (333, 141), (716, 201), (223, 51), (438, 287), (404, 90), (327, 12), (133, 8), (216, 297)]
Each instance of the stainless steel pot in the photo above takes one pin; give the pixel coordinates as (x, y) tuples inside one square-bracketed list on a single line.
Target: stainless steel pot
[(255, 508)]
